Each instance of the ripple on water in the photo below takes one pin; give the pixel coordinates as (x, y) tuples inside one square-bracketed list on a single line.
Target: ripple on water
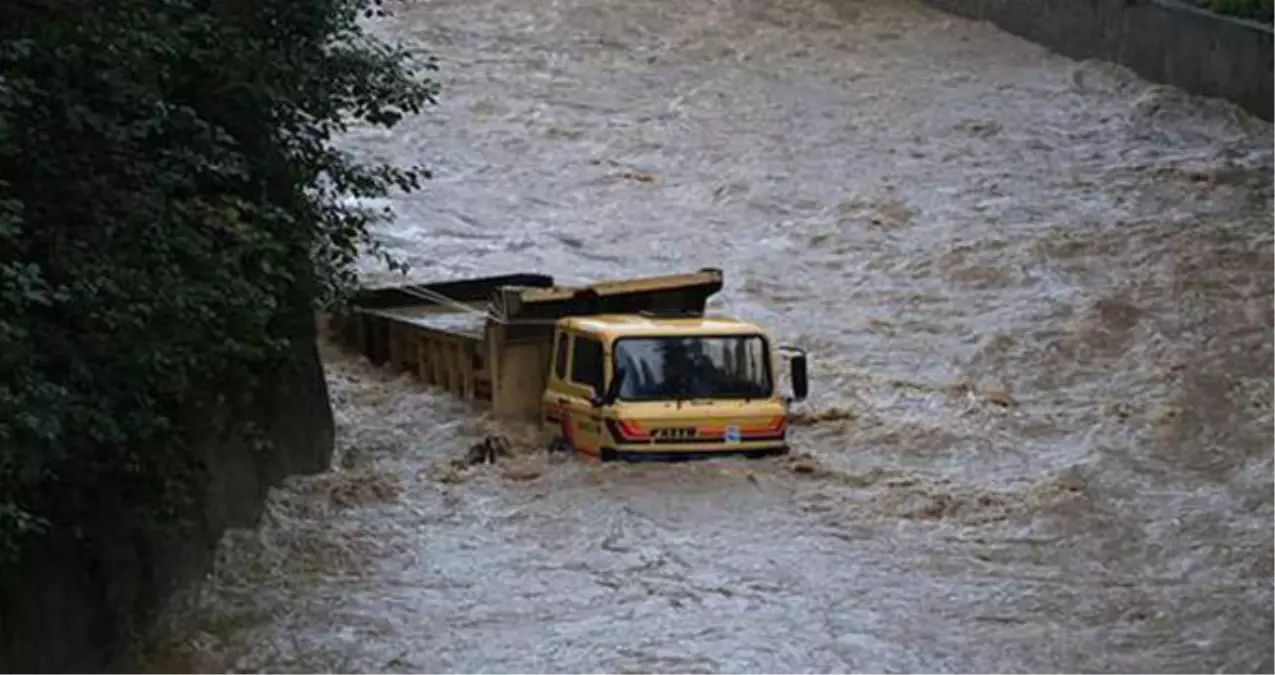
[(1038, 296)]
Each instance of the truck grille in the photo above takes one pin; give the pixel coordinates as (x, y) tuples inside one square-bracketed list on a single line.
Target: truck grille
[(673, 433)]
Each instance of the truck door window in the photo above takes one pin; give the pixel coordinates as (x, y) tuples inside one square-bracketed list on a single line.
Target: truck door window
[(586, 363), (560, 360)]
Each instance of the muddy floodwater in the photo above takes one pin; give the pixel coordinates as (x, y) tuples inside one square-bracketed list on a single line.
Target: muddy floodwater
[(1037, 295)]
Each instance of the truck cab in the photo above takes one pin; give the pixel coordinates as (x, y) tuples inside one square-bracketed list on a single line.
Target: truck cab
[(667, 386), (620, 369)]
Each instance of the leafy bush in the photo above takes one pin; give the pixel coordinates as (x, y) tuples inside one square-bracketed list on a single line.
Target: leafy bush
[(1258, 10), (167, 191)]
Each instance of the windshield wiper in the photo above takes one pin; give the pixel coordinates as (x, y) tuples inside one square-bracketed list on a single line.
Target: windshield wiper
[(681, 393)]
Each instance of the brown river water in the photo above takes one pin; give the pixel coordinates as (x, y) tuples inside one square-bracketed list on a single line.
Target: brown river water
[(1038, 299)]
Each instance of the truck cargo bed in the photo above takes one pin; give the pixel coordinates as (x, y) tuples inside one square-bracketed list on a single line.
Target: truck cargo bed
[(489, 339)]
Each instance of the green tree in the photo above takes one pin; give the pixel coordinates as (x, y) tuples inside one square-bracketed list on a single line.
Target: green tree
[(168, 191)]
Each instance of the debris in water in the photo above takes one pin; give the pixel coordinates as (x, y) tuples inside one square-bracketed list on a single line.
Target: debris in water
[(997, 393), (488, 450), (806, 464), (960, 386), (637, 176), (803, 466), (450, 474)]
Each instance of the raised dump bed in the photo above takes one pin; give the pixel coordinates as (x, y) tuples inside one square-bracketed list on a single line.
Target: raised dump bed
[(490, 339)]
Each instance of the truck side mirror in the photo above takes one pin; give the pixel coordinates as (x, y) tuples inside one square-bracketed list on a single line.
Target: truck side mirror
[(800, 378)]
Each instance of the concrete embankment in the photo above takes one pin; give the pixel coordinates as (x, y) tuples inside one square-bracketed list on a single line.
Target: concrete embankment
[(1164, 41)]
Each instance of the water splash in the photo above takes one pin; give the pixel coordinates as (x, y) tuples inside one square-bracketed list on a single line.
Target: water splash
[(1038, 296)]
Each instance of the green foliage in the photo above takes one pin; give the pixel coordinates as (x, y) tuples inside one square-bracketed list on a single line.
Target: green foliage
[(1258, 10), (168, 191)]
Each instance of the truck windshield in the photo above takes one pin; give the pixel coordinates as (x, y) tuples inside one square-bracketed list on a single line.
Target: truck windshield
[(681, 367)]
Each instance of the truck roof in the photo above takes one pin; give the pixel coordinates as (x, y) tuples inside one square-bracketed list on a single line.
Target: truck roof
[(625, 325)]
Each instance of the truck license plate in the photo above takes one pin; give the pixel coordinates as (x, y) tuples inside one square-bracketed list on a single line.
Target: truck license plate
[(732, 434)]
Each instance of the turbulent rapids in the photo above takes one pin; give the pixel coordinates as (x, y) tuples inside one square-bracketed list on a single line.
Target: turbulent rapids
[(1037, 296)]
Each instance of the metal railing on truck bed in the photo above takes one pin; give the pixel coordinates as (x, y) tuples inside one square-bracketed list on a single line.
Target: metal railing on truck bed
[(489, 339)]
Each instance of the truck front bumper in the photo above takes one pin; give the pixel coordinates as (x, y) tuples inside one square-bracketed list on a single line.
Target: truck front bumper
[(632, 455)]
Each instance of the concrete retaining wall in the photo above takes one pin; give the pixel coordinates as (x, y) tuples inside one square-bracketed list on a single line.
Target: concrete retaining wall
[(78, 603), (1162, 40)]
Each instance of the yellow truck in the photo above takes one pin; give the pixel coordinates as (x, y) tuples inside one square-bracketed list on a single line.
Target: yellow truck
[(627, 369)]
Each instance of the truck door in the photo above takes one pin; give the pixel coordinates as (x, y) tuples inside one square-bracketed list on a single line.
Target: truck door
[(556, 402), (577, 374), (586, 380)]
